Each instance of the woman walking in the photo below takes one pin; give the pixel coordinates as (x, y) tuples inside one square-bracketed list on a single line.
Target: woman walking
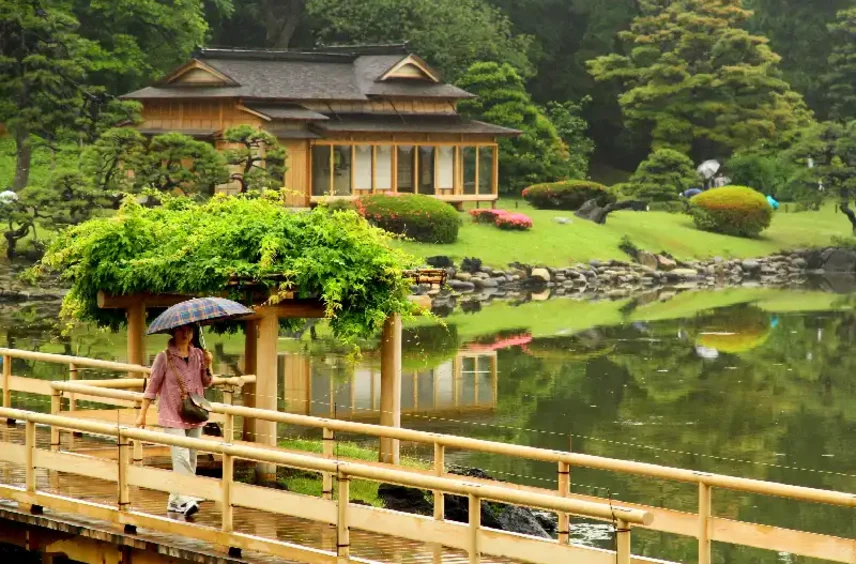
[(180, 370)]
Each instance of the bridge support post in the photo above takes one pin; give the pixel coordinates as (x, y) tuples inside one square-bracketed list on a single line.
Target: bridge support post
[(564, 489), (343, 536), (704, 512), (136, 334), (266, 387), (475, 530), (439, 470), (56, 407), (7, 377), (328, 445), (622, 542), (390, 386), (251, 335)]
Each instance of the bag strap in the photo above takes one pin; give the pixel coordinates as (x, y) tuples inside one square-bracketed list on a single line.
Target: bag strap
[(181, 383)]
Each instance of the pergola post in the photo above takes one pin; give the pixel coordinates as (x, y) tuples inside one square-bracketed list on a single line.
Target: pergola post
[(266, 385), (390, 385), (251, 335), (136, 313)]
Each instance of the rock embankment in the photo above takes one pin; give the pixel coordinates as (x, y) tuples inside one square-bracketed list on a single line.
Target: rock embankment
[(649, 271)]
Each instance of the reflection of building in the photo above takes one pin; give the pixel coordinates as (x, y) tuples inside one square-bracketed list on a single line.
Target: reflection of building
[(465, 383)]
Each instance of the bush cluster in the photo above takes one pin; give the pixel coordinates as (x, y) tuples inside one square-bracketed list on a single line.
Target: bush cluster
[(567, 194), (503, 219), (731, 210), (421, 218)]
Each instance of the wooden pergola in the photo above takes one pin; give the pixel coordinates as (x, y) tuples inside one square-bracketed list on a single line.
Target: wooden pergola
[(260, 353)]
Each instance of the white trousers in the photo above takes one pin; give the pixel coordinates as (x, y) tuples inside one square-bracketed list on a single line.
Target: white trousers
[(183, 459)]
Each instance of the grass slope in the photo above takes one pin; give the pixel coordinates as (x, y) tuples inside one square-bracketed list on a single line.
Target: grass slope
[(580, 241)]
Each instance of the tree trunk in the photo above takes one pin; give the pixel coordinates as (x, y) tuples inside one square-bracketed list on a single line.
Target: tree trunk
[(593, 212), (845, 209), (282, 17), (23, 157)]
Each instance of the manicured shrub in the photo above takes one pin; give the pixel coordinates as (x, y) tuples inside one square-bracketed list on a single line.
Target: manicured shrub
[(486, 215), (663, 177), (514, 222), (732, 210), (567, 194), (422, 218)]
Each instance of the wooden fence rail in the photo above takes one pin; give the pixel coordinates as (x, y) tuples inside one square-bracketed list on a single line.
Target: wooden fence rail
[(473, 538), (703, 525)]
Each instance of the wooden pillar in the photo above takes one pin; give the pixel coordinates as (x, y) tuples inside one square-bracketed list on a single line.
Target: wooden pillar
[(248, 392), (136, 335), (266, 386), (704, 513), (390, 385)]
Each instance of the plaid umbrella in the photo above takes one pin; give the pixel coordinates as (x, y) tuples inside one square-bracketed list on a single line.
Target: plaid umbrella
[(197, 311)]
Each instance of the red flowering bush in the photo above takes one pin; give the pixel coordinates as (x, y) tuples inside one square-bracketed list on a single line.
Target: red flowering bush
[(732, 210), (566, 195), (514, 222), (421, 218)]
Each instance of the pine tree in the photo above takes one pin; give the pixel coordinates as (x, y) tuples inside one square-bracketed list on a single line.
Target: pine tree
[(697, 81), (841, 79), (538, 154)]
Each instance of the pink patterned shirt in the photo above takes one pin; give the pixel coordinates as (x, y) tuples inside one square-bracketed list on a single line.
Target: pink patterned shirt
[(163, 383)]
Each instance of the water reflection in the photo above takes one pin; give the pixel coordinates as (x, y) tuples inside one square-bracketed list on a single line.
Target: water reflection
[(748, 382)]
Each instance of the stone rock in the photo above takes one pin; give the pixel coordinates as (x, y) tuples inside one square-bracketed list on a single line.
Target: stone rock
[(423, 301), (481, 283), (471, 265), (487, 270), (440, 261), (541, 296), (684, 273), (463, 276), (461, 286), (541, 273), (482, 275), (497, 273), (839, 260), (646, 259), (665, 263), (408, 500), (800, 262), (562, 220), (521, 520), (750, 265), (594, 263)]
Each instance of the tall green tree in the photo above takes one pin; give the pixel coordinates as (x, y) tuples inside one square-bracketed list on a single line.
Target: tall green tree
[(825, 157), (450, 34), (841, 79), (538, 154), (261, 23), (697, 81), (572, 127), (43, 63), (797, 30), (663, 176)]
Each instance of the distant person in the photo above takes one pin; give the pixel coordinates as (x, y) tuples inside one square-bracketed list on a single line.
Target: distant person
[(181, 360), (772, 201), (691, 192)]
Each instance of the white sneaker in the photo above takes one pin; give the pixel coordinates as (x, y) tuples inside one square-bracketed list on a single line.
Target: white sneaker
[(187, 508), (191, 508), (174, 507)]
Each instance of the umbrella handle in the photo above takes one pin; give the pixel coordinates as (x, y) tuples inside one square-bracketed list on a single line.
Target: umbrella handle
[(199, 338)]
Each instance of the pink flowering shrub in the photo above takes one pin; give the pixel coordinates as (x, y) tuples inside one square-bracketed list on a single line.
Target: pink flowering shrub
[(514, 222), (422, 218), (503, 219)]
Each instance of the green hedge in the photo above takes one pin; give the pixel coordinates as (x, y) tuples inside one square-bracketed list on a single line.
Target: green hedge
[(566, 195), (732, 210), (422, 218)]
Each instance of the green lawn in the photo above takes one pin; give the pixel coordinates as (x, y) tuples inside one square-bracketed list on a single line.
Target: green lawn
[(552, 244)]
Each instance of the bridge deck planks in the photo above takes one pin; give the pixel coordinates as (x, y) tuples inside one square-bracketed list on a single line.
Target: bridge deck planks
[(381, 548)]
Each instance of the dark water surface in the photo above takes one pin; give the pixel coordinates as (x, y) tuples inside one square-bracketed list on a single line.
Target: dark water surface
[(750, 382)]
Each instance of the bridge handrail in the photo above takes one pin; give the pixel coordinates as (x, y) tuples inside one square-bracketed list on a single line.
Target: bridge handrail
[(455, 486), (533, 453)]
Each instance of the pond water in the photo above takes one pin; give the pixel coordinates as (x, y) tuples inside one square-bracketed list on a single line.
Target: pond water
[(751, 382)]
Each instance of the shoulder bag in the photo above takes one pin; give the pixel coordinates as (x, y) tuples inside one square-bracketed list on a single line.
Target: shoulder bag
[(194, 408)]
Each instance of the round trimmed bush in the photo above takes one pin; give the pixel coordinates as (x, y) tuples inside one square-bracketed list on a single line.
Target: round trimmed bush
[(422, 218), (567, 195), (732, 210)]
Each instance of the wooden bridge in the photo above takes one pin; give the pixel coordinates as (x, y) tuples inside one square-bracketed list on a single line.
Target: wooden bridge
[(80, 483)]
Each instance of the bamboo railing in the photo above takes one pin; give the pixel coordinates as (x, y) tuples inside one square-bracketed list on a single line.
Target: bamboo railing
[(703, 525), (473, 538)]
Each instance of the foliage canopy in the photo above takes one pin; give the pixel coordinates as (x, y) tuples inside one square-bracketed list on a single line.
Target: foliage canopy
[(732, 210), (184, 247), (699, 82), (663, 177)]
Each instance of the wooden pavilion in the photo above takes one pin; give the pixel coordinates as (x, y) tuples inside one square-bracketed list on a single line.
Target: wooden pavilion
[(354, 120), (260, 353)]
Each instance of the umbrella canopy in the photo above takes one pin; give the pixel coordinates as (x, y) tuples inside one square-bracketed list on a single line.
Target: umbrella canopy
[(197, 311)]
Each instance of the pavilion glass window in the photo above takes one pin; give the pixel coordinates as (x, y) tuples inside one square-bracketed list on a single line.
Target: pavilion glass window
[(406, 158), (363, 167), (342, 170), (426, 170), (445, 167), (469, 158), (321, 170), (486, 156), (383, 167)]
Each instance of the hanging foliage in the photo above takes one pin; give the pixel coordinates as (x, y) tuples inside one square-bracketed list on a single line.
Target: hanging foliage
[(185, 247)]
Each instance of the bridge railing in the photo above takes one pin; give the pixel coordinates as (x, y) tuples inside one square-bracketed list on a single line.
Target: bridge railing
[(702, 525), (472, 537)]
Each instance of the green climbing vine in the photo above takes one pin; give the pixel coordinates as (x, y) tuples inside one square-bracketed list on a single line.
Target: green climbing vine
[(187, 247)]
